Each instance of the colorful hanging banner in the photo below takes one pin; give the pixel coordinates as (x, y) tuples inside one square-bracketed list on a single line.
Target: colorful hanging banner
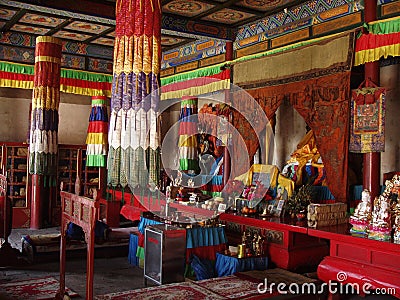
[(367, 119), (195, 83), (72, 81), (382, 40), (45, 102), (188, 154), (96, 150), (134, 151)]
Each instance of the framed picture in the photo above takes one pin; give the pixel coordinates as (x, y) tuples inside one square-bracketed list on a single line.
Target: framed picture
[(263, 178), (279, 208), (222, 207)]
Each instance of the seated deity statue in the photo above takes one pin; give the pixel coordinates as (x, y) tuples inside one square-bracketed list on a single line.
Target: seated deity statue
[(363, 209), (381, 213)]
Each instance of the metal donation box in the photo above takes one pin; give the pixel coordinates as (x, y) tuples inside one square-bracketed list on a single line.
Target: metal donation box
[(165, 250)]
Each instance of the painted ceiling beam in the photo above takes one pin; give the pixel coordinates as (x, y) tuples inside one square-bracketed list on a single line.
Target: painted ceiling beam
[(105, 11)]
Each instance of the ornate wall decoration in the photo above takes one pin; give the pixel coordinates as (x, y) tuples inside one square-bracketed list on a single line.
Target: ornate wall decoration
[(192, 52), (263, 5), (104, 41), (86, 27), (100, 65), (63, 34), (37, 19), (17, 39), (306, 13), (17, 54), (228, 16), (187, 8), (7, 14), (30, 29), (73, 62)]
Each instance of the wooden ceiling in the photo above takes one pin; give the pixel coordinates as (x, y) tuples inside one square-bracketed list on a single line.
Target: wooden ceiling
[(93, 22)]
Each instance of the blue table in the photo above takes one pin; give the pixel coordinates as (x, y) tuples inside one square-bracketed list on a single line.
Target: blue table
[(227, 265)]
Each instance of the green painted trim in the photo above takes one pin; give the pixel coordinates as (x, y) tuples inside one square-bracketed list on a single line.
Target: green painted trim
[(202, 72)]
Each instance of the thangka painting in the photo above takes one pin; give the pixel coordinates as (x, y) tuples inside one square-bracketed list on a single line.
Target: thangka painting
[(367, 120)]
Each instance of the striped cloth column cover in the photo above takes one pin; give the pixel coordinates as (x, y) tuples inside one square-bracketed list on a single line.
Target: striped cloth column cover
[(134, 153), (45, 102), (188, 152), (96, 140)]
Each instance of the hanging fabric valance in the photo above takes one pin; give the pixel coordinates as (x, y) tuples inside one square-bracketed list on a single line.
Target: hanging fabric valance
[(382, 40), (310, 61), (72, 81), (195, 83), (318, 88)]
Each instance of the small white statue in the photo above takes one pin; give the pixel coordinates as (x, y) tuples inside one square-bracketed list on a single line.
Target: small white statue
[(363, 209), (178, 179), (396, 226), (190, 183), (381, 213)]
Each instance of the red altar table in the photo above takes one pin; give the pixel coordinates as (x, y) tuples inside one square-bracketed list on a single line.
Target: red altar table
[(355, 260), (288, 244)]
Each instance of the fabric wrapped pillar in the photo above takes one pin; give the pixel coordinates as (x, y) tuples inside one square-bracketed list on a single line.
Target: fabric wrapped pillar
[(134, 153), (44, 122), (188, 153), (96, 150)]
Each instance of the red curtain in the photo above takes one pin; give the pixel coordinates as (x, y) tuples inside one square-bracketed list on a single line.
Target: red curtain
[(323, 102)]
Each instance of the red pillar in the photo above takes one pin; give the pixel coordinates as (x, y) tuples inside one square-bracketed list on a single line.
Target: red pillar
[(227, 156), (36, 203), (372, 160)]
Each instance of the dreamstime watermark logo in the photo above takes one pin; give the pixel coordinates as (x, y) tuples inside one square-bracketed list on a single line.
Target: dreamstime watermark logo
[(174, 149), (341, 286)]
